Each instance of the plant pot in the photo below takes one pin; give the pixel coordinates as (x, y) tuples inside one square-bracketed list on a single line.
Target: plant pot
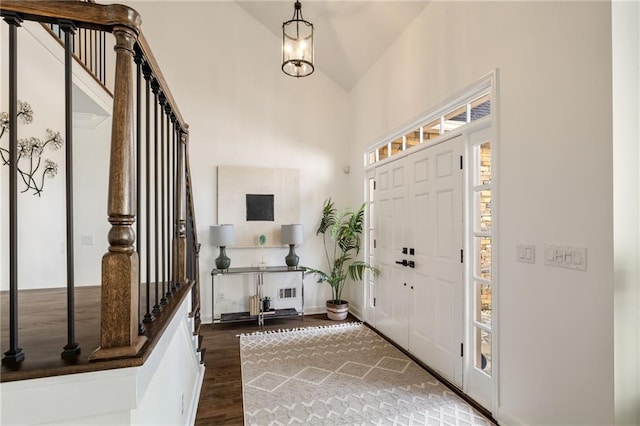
[(337, 312)]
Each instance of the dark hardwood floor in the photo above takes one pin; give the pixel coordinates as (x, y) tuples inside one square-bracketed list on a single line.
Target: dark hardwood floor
[(221, 395), (42, 329), (42, 335), (42, 332)]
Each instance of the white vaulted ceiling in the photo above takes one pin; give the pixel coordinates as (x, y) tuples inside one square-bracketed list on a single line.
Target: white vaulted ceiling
[(349, 37)]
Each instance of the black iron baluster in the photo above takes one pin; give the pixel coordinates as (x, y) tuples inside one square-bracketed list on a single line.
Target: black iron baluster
[(72, 348), (87, 61), (163, 178), (179, 227), (190, 240), (94, 51), (104, 58), (174, 206), (172, 216), (176, 194), (148, 317), (166, 216), (76, 43), (14, 355), (94, 57), (84, 43), (101, 58), (138, 60), (73, 42), (189, 225), (155, 86)]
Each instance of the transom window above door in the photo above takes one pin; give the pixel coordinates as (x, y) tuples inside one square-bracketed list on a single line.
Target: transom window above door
[(448, 119)]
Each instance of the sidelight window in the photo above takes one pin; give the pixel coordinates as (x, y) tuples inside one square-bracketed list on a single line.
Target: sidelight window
[(371, 235), (482, 260)]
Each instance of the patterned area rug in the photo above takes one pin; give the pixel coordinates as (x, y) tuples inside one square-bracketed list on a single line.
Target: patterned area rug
[(341, 375)]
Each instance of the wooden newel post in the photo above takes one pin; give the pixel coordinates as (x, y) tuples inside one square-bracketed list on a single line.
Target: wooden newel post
[(180, 236), (120, 281)]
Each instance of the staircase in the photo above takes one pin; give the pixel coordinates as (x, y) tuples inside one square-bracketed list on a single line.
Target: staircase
[(149, 310)]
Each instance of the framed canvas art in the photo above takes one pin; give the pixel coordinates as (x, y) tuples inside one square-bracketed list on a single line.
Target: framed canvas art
[(257, 200)]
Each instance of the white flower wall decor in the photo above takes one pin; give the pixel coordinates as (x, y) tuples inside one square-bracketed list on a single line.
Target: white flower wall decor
[(32, 168)]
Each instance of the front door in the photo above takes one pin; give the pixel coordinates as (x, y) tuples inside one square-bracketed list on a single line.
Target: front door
[(436, 219), (419, 219)]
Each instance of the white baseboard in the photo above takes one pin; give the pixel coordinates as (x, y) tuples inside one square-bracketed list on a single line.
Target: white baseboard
[(193, 409), (505, 418)]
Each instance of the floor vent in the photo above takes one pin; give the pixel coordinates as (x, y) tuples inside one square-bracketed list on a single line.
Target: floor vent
[(287, 293)]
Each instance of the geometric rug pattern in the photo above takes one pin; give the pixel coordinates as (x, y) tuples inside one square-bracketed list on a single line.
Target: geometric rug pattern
[(341, 375)]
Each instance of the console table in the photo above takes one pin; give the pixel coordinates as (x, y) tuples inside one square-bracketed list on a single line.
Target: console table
[(259, 274)]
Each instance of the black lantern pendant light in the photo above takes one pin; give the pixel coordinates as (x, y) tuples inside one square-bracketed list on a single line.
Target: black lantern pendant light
[(297, 45)]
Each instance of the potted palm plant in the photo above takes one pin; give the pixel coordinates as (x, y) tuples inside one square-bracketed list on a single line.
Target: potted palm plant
[(342, 236)]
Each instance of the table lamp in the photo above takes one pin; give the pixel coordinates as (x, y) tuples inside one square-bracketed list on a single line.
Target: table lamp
[(222, 236), (291, 235)]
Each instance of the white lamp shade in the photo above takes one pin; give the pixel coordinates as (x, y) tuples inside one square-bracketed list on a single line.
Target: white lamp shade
[(292, 234), (222, 235)]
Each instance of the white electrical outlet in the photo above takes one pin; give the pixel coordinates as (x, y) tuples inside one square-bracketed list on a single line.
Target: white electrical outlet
[(565, 257)]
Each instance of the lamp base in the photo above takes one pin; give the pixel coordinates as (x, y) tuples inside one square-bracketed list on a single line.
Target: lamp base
[(223, 262), (292, 258)]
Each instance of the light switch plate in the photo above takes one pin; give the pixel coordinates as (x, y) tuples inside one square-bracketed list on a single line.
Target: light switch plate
[(565, 257), (87, 240), (526, 253)]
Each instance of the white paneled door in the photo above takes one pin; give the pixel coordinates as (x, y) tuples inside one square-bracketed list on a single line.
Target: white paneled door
[(391, 310), (419, 241)]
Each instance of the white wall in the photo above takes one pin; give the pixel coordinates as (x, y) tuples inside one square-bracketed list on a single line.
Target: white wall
[(626, 197), (41, 220), (91, 182), (223, 69), (554, 175)]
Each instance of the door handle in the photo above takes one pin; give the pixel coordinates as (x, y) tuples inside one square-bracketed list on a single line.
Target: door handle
[(403, 263), (411, 264)]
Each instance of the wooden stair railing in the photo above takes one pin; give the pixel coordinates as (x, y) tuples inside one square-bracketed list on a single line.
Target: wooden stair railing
[(146, 133)]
